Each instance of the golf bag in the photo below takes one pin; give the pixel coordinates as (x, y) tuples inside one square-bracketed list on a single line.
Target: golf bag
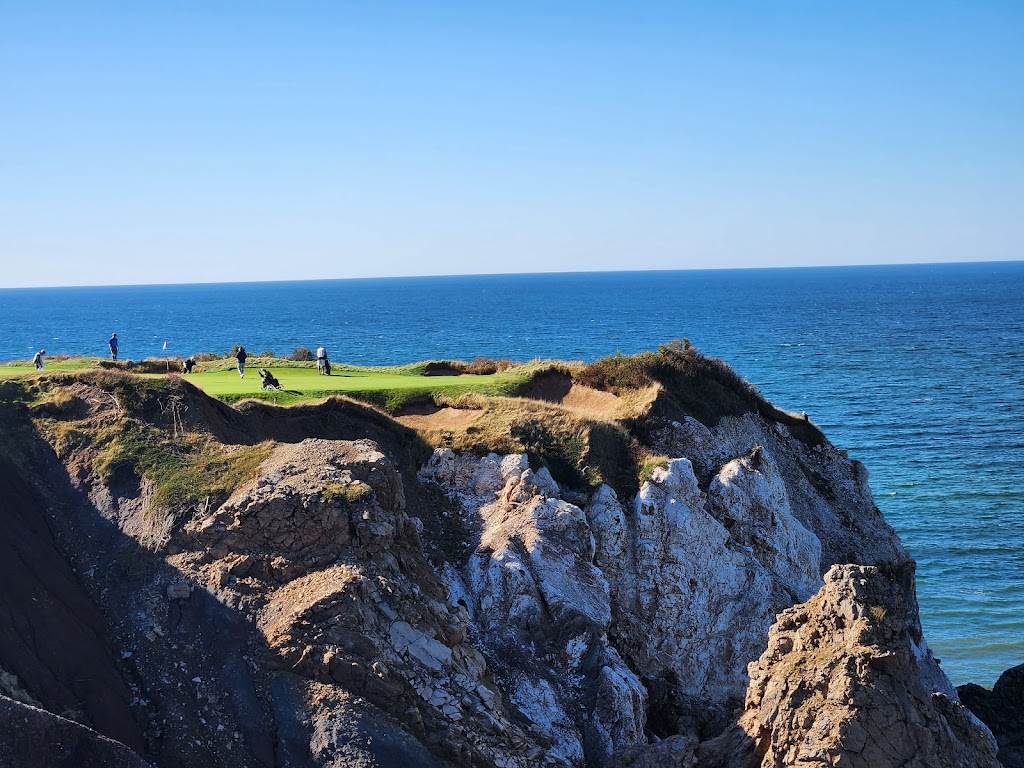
[(269, 380)]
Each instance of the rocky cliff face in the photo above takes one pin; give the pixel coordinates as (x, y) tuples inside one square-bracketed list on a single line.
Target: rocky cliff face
[(361, 600)]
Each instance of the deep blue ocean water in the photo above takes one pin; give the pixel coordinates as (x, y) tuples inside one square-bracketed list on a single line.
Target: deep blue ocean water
[(917, 370)]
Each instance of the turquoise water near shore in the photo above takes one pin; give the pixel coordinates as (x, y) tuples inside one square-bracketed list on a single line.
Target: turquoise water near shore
[(917, 370)]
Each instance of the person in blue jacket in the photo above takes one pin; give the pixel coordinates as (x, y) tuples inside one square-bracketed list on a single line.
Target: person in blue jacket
[(113, 347)]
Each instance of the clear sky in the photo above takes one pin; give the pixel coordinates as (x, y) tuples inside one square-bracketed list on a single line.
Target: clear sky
[(183, 141)]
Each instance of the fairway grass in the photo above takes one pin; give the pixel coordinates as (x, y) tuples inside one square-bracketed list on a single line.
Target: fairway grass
[(389, 388)]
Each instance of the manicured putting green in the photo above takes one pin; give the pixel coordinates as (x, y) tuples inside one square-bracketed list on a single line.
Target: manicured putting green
[(228, 384)]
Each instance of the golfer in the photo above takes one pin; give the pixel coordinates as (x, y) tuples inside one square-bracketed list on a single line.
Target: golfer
[(240, 355)]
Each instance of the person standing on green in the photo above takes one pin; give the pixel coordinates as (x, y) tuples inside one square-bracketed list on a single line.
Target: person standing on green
[(240, 355), (113, 347), (38, 359)]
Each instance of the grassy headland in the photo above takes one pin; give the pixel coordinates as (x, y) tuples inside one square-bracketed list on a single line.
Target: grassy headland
[(389, 388), (588, 423)]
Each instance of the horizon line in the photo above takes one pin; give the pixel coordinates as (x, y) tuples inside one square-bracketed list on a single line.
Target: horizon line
[(516, 274)]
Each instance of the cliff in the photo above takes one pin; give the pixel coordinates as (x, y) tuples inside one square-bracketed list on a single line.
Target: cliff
[(639, 562)]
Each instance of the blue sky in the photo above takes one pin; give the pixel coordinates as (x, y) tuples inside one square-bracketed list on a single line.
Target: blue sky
[(205, 141)]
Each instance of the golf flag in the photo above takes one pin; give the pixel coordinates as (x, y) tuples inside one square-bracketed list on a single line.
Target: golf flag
[(165, 346)]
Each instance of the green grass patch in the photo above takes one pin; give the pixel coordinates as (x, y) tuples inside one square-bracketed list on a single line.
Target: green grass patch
[(184, 471), (648, 465), (390, 389), (20, 368)]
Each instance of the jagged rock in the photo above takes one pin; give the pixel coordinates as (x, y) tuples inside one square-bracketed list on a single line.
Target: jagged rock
[(1002, 710), (688, 437), (690, 599), (685, 584), (54, 649), (841, 684), (544, 607), (312, 500), (348, 598), (828, 493), (748, 495)]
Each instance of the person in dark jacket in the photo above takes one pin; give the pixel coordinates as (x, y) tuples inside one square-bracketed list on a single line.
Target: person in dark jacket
[(240, 355), (38, 359), (113, 347)]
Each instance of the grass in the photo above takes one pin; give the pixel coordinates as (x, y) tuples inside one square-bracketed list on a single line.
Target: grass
[(20, 368), (388, 388), (350, 493), (648, 465), (141, 436), (184, 471)]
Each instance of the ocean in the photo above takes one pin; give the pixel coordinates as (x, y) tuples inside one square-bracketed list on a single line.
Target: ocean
[(917, 370)]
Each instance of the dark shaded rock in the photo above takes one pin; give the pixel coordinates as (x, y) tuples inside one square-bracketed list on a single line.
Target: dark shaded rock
[(673, 752), (673, 712), (31, 737), (53, 638), (1002, 710)]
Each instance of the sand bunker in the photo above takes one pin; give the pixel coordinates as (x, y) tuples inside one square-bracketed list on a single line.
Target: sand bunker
[(438, 418), (584, 398), (557, 387)]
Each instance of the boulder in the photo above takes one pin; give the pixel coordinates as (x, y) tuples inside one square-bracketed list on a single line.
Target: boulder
[(847, 681), (1002, 710)]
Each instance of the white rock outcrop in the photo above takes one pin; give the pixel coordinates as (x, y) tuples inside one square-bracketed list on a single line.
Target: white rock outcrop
[(696, 579), (543, 606)]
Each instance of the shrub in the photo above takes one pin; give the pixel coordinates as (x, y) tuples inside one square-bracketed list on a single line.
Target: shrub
[(302, 354), (351, 493), (561, 452), (444, 368), (149, 365), (481, 366), (158, 365), (487, 366), (619, 372)]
